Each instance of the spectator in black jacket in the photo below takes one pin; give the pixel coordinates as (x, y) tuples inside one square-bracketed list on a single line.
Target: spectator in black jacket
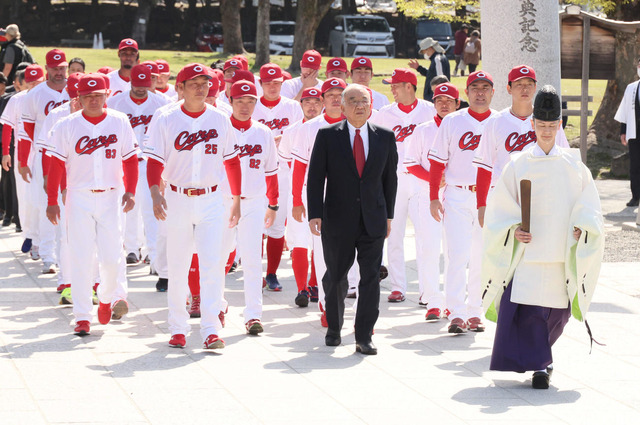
[(432, 51), (13, 52)]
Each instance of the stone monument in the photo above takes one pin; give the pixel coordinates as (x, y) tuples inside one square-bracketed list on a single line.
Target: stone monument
[(516, 32)]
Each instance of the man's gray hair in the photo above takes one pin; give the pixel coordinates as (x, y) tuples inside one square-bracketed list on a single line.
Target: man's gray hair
[(20, 76), (352, 87)]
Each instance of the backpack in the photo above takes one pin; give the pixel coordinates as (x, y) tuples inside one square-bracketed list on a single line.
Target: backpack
[(24, 52)]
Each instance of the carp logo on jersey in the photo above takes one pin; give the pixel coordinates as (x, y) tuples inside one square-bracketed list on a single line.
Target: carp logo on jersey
[(469, 141), (139, 120), (249, 150), (276, 123), (403, 132), (187, 141), (51, 105), (86, 145), (516, 142)]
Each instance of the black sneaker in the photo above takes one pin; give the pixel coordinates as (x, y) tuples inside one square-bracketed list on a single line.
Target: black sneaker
[(633, 202), (313, 294), (26, 246), (540, 380), (302, 299), (162, 285), (132, 258), (272, 283)]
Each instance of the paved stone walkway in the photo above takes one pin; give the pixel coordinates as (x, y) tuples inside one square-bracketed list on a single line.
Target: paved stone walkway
[(125, 373)]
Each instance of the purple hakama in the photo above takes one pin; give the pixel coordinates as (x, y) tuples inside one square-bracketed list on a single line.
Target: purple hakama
[(525, 335)]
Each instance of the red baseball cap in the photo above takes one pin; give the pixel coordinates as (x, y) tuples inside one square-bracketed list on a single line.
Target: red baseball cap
[(333, 83), (479, 76), (191, 71), (311, 92), (448, 90), (336, 64), (72, 84), (361, 62), (243, 60), (286, 75), (521, 71), (56, 57), (270, 72), (163, 66), (140, 76), (216, 73), (105, 70), (106, 79), (153, 67), (242, 74), (33, 73), (128, 43), (243, 89), (232, 63), (92, 83), (214, 84), (402, 75), (311, 59)]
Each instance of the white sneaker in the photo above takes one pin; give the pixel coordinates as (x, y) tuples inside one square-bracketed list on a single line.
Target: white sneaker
[(35, 254), (48, 268)]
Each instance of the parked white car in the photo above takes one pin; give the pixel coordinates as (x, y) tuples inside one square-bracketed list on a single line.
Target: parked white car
[(281, 37), (362, 35)]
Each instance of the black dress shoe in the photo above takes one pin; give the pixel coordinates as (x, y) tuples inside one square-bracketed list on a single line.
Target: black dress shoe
[(366, 348), (633, 202), (332, 341), (540, 380)]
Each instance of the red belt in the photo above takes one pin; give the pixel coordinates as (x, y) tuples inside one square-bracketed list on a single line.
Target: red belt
[(140, 159), (193, 191), (472, 188), (101, 190)]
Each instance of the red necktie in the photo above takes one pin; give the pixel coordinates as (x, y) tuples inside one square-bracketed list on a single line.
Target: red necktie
[(358, 152)]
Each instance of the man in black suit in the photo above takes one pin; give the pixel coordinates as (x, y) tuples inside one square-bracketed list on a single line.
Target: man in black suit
[(358, 161)]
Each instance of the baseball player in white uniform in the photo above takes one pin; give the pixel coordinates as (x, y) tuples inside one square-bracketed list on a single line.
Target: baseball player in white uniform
[(259, 159), (298, 233), (220, 86), (11, 120), (188, 147), (362, 73), (507, 132), (163, 85), (402, 117), (98, 149), (309, 67), (36, 106), (139, 104), (129, 57), (277, 113), (428, 232), (452, 154)]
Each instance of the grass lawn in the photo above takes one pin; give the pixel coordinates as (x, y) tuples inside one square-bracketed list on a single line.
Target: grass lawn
[(383, 67)]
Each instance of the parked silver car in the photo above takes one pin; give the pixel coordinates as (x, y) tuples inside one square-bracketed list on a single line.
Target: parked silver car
[(362, 35), (281, 37)]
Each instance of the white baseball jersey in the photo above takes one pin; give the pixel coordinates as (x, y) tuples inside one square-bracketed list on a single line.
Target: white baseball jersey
[(417, 149), (403, 124), (285, 113), (379, 100), (117, 85), (93, 153), (306, 138), (169, 91), (455, 145), (289, 138), (258, 157), (191, 149), (292, 87), (39, 101), (504, 134), (58, 114), (12, 115), (225, 108), (139, 114)]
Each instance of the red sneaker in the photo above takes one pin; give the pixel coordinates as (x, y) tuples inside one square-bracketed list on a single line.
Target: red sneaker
[(323, 320), (221, 316), (433, 314), (95, 286), (396, 297), (177, 341), (447, 313), (457, 326), (104, 313), (213, 342), (254, 327), (62, 287), (82, 328), (475, 324), (194, 310)]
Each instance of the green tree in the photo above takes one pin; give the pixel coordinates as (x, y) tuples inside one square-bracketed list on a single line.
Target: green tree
[(447, 11)]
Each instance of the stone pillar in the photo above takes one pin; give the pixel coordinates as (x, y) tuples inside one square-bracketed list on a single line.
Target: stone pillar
[(516, 32)]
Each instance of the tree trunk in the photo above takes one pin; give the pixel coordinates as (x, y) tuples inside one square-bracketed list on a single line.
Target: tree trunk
[(188, 33), (231, 29), (262, 33), (308, 17), (604, 127), (141, 22)]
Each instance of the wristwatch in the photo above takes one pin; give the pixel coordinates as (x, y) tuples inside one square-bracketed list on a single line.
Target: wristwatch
[(273, 207)]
